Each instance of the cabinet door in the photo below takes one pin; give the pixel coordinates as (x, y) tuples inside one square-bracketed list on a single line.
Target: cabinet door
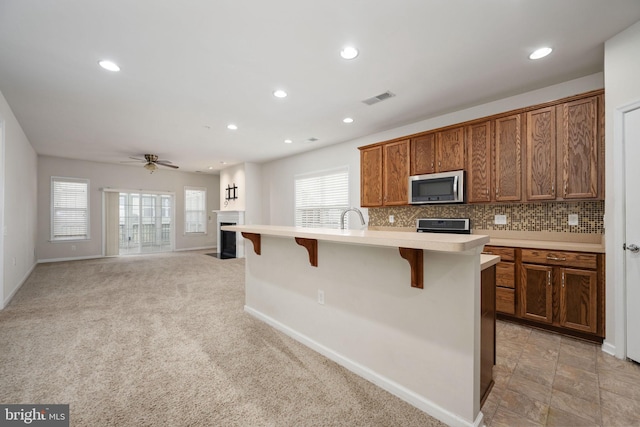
[(578, 299), (371, 177), (423, 154), (508, 159), (580, 149), (395, 182), (536, 293), (541, 154), (450, 150), (479, 162)]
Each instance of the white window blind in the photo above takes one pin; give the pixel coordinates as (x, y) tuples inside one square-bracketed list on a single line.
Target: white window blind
[(195, 215), (69, 209), (321, 197)]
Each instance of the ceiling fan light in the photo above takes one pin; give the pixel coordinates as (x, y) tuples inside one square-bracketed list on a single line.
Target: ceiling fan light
[(150, 167)]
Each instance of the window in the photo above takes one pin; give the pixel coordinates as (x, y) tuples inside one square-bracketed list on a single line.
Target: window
[(195, 214), (69, 209), (321, 197)]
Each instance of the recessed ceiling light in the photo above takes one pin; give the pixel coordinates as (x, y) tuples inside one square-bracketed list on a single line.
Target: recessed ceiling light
[(232, 126), (223, 162), (279, 93), (347, 120), (210, 167), (349, 52), (109, 65), (288, 141), (540, 53)]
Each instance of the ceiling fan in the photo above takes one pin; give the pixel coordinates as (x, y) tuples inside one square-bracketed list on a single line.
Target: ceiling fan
[(151, 162)]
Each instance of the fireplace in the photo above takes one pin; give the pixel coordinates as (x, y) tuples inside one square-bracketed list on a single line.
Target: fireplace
[(227, 242), (228, 238)]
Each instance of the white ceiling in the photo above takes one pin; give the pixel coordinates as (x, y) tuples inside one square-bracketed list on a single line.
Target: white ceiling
[(188, 68)]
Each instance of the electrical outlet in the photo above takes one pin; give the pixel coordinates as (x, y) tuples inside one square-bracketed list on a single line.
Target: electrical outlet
[(73, 247), (573, 219), (320, 296), (391, 219), (500, 219)]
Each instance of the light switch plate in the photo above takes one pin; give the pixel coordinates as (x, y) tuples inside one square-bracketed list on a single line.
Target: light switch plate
[(573, 219), (500, 219)]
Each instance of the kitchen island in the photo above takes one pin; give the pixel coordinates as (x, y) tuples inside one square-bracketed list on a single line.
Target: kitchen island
[(400, 309)]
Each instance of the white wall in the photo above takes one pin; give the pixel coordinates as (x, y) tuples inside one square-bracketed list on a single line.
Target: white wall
[(622, 82), (18, 204), (248, 178), (278, 176), (103, 175), (233, 175)]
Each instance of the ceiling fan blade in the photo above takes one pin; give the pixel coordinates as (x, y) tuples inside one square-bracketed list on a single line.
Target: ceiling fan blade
[(166, 164), (138, 159)]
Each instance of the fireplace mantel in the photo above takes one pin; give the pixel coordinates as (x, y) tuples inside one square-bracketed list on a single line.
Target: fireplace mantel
[(236, 217)]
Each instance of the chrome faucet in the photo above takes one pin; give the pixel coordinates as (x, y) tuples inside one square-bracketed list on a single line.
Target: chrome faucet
[(344, 212)]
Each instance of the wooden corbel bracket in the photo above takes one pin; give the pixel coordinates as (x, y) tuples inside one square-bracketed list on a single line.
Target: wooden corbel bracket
[(255, 239), (415, 259), (312, 248)]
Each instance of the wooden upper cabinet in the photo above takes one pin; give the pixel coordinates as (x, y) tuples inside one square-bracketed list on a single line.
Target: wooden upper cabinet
[(508, 167), (541, 154), (479, 162), (423, 154), (395, 172), (450, 150), (371, 176), (580, 149)]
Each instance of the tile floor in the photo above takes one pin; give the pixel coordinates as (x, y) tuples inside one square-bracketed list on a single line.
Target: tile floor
[(544, 379)]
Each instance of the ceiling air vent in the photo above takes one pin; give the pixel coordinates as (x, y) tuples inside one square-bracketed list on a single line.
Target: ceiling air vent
[(378, 98), (312, 139)]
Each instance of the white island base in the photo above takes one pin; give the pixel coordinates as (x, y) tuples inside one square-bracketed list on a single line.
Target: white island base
[(358, 308)]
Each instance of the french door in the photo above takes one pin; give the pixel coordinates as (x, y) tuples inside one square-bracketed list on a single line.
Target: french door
[(145, 223), (138, 222)]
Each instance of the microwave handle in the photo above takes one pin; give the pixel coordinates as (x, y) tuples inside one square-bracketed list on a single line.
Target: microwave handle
[(455, 185)]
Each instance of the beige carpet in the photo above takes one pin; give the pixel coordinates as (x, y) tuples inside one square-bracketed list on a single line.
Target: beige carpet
[(163, 340)]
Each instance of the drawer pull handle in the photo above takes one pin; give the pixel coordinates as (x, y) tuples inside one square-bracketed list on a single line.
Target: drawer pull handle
[(549, 278), (555, 258)]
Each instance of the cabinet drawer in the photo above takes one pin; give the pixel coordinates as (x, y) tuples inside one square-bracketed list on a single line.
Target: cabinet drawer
[(569, 259), (505, 300), (505, 274), (506, 254)]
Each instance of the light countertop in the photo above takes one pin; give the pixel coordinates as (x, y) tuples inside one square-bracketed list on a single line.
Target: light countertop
[(487, 261), (426, 241)]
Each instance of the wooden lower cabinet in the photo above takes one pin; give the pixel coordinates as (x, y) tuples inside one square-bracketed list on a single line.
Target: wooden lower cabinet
[(487, 330), (579, 299), (536, 294), (557, 290), (563, 289), (505, 279)]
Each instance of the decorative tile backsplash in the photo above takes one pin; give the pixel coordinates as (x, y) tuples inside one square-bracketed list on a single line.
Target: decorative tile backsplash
[(550, 216)]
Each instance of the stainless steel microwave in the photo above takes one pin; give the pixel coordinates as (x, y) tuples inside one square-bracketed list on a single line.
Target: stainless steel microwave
[(444, 187)]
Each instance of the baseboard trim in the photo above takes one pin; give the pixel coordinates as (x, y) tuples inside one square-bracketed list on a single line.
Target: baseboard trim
[(80, 258), (201, 248), (381, 381), (609, 348), (9, 297)]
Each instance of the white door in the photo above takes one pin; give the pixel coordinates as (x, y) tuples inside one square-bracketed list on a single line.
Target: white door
[(631, 129)]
